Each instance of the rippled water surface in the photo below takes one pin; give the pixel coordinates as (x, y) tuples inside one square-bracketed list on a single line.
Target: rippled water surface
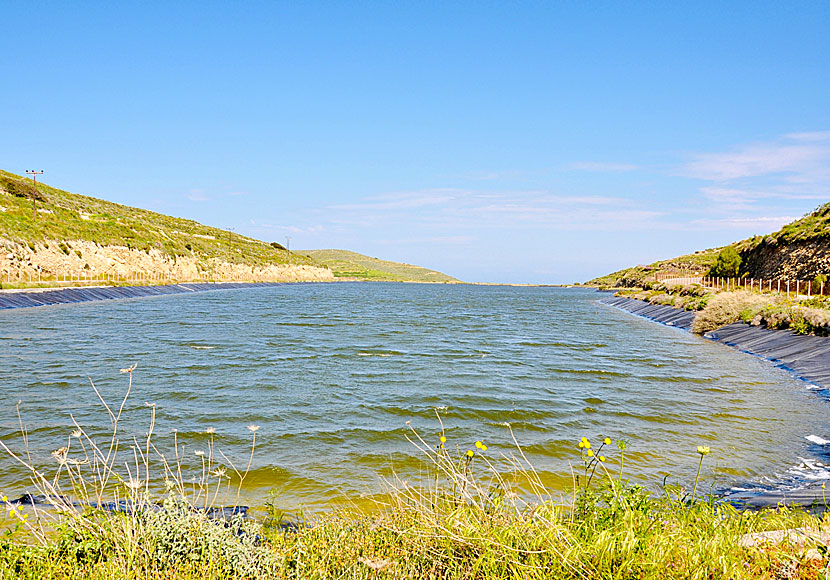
[(331, 373)]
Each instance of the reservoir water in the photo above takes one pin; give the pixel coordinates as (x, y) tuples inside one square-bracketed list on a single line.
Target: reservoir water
[(332, 373)]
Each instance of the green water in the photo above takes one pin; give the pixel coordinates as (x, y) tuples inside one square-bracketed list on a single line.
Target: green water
[(332, 373)]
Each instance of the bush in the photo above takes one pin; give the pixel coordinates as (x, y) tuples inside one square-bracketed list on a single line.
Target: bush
[(728, 264), (728, 307)]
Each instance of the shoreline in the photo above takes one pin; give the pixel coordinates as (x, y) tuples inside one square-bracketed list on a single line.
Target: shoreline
[(34, 297), (805, 357)]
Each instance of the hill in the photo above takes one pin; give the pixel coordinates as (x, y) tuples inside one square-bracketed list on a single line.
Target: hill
[(346, 264), (798, 251), (75, 235)]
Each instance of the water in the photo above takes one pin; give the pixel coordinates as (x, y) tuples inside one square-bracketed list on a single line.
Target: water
[(332, 373)]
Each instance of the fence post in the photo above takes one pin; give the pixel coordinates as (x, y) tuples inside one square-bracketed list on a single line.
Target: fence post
[(809, 288), (797, 287)]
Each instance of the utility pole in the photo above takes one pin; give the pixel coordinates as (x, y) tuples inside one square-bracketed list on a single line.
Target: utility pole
[(34, 175), (288, 243)]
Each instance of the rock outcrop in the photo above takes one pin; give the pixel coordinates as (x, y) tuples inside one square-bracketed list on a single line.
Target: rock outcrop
[(83, 259)]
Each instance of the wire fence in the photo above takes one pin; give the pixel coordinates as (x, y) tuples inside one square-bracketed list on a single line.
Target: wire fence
[(139, 278)]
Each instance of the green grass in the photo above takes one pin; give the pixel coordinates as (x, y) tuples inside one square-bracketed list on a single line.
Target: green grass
[(814, 226), (346, 264), (64, 216), (479, 517)]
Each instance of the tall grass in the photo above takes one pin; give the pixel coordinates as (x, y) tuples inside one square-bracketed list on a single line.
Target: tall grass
[(478, 516)]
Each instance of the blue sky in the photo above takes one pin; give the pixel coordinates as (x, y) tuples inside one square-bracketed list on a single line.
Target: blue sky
[(505, 142)]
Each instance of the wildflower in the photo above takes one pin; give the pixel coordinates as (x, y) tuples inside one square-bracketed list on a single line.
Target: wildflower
[(60, 454), (602, 458), (253, 428), (479, 444), (703, 450), (470, 453), (587, 444), (607, 441), (483, 447), (581, 444), (443, 439), (590, 453), (622, 444), (130, 369), (134, 484)]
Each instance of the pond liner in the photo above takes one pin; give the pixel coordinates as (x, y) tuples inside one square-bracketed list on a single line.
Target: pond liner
[(807, 357), (32, 299)]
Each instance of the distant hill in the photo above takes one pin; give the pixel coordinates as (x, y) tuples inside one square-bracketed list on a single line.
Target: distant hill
[(78, 235), (346, 264), (798, 251)]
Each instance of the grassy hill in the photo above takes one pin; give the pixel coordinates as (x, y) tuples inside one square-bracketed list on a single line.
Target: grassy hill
[(64, 216), (346, 264), (799, 250)]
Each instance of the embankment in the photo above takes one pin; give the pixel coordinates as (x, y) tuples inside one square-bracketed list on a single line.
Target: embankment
[(30, 298), (808, 357)]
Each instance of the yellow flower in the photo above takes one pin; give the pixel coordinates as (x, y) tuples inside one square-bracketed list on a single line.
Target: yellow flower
[(607, 441), (12, 512), (581, 444), (470, 453), (443, 439), (703, 450), (587, 444), (483, 447), (590, 453), (479, 444), (602, 458)]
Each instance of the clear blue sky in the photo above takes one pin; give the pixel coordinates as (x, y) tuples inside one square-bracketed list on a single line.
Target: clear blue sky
[(495, 141)]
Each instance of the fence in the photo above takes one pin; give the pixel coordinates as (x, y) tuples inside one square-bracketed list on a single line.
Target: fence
[(139, 278), (795, 287)]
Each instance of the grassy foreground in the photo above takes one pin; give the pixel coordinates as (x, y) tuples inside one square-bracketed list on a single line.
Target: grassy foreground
[(480, 517)]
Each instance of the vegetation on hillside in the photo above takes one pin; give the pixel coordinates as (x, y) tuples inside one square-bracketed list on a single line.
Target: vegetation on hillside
[(346, 264), (638, 275), (746, 257), (480, 517), (813, 226), (64, 216), (727, 265)]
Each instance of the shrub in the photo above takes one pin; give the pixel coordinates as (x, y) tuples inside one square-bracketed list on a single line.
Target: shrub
[(728, 307), (728, 264)]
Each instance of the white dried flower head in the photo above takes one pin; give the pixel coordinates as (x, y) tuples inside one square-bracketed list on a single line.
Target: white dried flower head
[(199, 453), (210, 430), (130, 369), (253, 428), (134, 484), (60, 454), (77, 433), (219, 472)]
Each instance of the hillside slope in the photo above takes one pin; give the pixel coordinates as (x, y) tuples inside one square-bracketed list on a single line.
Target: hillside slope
[(346, 264), (798, 251), (76, 235)]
